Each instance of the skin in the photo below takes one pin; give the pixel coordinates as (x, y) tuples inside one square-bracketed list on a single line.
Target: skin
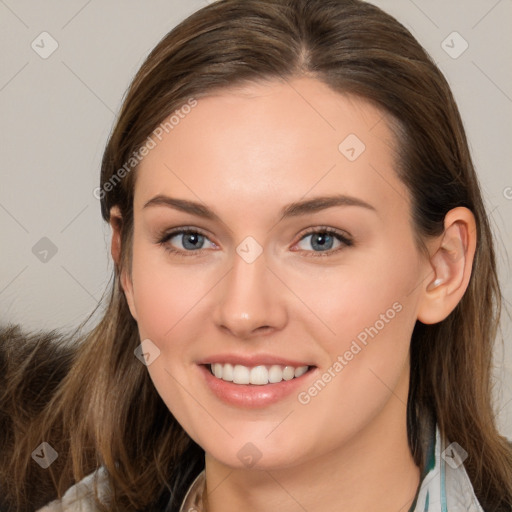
[(246, 153)]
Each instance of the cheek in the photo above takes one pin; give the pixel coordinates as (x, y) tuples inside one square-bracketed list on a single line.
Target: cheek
[(371, 312), (164, 294), (359, 297), (168, 299)]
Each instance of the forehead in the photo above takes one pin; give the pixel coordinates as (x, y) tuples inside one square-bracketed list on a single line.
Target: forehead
[(272, 143)]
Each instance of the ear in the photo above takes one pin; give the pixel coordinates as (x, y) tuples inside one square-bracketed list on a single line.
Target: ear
[(116, 222), (451, 262)]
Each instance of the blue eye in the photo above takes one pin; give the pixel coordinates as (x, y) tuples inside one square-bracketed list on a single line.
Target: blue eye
[(189, 239), (190, 242), (323, 240)]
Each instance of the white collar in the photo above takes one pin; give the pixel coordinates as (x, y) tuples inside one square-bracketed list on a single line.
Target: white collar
[(446, 487)]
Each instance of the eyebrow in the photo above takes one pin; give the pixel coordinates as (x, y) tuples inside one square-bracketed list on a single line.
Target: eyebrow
[(295, 209)]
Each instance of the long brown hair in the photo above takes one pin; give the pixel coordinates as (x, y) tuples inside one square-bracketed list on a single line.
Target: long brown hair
[(104, 409)]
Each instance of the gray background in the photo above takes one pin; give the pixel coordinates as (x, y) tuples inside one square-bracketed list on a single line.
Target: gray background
[(58, 111)]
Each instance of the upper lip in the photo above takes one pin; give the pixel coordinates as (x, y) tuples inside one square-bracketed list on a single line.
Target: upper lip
[(253, 360)]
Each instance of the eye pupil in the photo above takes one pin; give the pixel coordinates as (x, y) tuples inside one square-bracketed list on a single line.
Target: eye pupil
[(322, 241), (192, 240)]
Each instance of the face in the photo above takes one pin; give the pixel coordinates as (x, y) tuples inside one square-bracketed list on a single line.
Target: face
[(272, 237)]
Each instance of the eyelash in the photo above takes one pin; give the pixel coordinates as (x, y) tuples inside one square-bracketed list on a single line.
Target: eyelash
[(164, 237)]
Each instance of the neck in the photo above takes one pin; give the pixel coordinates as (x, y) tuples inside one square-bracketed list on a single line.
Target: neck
[(374, 470)]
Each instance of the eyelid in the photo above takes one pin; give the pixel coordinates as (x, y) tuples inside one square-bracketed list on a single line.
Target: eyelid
[(342, 236), (323, 229), (169, 232), (163, 237)]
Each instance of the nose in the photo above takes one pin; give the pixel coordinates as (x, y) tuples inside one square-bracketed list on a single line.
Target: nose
[(250, 300)]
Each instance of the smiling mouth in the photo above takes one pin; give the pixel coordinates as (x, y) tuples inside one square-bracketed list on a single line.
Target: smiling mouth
[(257, 375)]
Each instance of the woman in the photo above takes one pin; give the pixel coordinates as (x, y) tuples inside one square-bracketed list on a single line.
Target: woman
[(305, 295)]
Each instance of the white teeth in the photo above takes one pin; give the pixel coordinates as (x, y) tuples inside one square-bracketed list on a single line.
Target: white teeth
[(227, 372), (288, 373), (301, 370), (217, 370), (241, 374), (275, 374), (257, 375)]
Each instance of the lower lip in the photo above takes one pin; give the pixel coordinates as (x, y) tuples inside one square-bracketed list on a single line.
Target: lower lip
[(251, 395)]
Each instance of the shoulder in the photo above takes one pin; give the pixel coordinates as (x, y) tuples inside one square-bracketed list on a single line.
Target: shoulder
[(81, 497)]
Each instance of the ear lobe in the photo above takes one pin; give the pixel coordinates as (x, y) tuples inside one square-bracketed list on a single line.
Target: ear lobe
[(451, 263), (116, 223)]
